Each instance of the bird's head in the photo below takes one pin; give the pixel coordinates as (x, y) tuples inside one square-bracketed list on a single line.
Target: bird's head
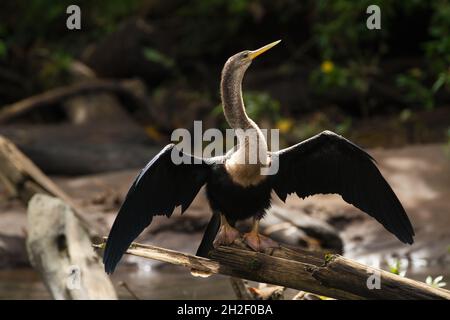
[(242, 60)]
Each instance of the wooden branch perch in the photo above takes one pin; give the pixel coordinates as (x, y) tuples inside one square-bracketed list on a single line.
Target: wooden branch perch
[(330, 275)]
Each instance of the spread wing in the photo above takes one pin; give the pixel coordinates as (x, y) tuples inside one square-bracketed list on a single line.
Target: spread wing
[(329, 163), (158, 189)]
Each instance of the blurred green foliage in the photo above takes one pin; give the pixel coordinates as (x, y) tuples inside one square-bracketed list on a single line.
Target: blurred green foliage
[(157, 56), (36, 31), (3, 49), (438, 47), (396, 267), (356, 53), (341, 32), (318, 122), (37, 19), (330, 37), (259, 106), (330, 75), (205, 22), (415, 90), (54, 68)]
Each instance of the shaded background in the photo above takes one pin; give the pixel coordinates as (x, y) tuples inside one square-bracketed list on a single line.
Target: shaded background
[(137, 70)]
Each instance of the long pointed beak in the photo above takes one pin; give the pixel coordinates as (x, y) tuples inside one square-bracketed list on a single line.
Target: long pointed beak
[(255, 53)]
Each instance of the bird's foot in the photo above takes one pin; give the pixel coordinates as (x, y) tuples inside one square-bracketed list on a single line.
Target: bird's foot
[(258, 242), (226, 235)]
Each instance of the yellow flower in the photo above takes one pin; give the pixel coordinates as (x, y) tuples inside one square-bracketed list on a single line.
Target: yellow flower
[(285, 125), (327, 66), (153, 133)]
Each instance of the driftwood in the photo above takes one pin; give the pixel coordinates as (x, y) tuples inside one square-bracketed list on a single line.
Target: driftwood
[(60, 250), (131, 88), (267, 292), (331, 275), (264, 292), (241, 289), (22, 179)]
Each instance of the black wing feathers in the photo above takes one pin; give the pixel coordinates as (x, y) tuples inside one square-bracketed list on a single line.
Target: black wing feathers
[(158, 189), (328, 163)]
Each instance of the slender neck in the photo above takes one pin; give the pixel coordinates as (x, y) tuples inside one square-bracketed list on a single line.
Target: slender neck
[(232, 102), (237, 118)]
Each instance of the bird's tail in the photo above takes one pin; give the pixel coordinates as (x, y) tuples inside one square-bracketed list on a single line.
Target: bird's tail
[(208, 237)]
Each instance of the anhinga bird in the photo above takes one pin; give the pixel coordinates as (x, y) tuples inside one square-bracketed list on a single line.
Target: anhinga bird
[(236, 189)]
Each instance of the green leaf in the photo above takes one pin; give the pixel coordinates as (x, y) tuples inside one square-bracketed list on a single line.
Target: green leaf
[(439, 82), (3, 49), (158, 57)]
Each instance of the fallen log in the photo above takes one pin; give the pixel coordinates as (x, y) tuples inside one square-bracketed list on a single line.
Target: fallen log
[(82, 149), (130, 88), (329, 275), (23, 179), (60, 250)]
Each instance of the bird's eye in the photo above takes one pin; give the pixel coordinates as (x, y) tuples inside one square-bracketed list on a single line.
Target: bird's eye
[(245, 55)]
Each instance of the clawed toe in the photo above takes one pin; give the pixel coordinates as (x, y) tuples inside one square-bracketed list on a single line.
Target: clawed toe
[(226, 236), (259, 242)]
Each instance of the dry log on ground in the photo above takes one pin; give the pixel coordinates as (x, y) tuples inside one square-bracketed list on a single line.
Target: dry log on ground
[(132, 89), (82, 149), (331, 275), (79, 158), (96, 107), (60, 250), (22, 179)]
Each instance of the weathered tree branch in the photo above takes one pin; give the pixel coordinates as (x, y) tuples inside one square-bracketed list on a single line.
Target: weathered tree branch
[(131, 88), (330, 275)]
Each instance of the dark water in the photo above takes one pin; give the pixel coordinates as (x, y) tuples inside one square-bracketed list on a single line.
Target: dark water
[(173, 283), (169, 283)]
